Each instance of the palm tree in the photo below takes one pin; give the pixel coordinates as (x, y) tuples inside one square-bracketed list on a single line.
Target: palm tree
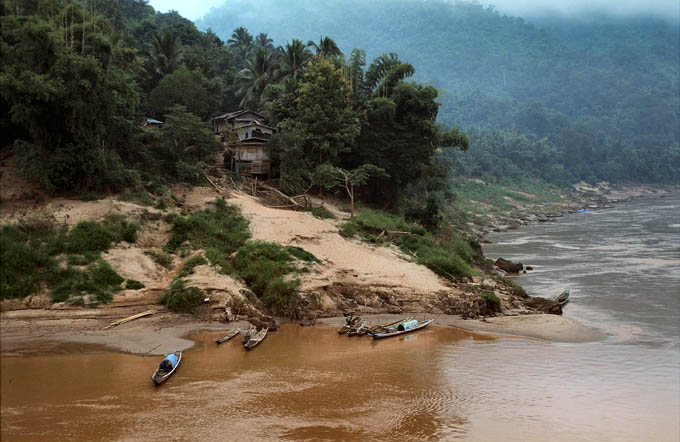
[(262, 41), (293, 59), (385, 72), (255, 77), (326, 47), (164, 57), (241, 41)]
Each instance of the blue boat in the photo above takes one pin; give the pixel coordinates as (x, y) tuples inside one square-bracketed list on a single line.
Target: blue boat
[(167, 367), (403, 327)]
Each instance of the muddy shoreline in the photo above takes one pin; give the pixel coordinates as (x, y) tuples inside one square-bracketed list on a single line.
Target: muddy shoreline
[(23, 332)]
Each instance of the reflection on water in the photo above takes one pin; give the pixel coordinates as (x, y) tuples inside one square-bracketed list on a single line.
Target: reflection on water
[(312, 384)]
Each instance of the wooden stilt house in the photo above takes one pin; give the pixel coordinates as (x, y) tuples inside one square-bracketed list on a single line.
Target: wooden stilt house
[(243, 135)]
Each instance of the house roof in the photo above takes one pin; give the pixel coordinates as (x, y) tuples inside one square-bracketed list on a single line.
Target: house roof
[(256, 123), (231, 115), (152, 121)]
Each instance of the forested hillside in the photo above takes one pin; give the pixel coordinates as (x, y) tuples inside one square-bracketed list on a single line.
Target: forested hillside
[(562, 100), (78, 79)]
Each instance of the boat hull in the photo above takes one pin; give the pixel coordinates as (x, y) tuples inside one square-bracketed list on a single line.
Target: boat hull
[(401, 332)]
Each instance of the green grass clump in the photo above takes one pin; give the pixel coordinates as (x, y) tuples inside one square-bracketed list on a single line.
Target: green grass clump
[(450, 257), (133, 284), (98, 279), (190, 264), (32, 250), (323, 213), (181, 299), (263, 266), (159, 258), (89, 236), (491, 297), (121, 229), (222, 228), (517, 289), (302, 254)]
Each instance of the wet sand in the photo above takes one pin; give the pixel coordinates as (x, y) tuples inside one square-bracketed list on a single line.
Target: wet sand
[(165, 332)]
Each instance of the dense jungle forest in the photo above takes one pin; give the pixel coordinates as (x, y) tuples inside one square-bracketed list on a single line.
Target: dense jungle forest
[(561, 103), (565, 99), (79, 77)]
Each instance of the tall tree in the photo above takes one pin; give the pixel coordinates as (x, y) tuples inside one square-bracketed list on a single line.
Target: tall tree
[(255, 77), (326, 47), (294, 57)]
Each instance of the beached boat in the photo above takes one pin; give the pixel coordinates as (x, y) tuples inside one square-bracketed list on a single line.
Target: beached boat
[(350, 321), (563, 297), (355, 328), (250, 332), (167, 367), (228, 336), (388, 327), (404, 327), (255, 339)]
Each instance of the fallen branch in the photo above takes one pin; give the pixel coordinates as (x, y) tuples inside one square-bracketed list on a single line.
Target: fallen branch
[(130, 318)]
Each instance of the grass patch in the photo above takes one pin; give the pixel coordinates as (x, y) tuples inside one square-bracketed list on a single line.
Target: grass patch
[(190, 264), (516, 289), (31, 252), (159, 258), (491, 297), (133, 284), (302, 254), (450, 257), (99, 280), (323, 213), (181, 299), (263, 266), (223, 229)]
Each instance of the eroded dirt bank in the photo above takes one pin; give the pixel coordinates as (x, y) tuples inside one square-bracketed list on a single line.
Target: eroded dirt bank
[(352, 276)]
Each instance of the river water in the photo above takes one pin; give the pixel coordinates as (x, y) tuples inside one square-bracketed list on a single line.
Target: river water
[(437, 384)]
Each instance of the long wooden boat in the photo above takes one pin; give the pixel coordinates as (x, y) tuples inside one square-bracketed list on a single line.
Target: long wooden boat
[(351, 320), (388, 327), (256, 339), (228, 336), (355, 328), (400, 330), (162, 373), (251, 332), (563, 297)]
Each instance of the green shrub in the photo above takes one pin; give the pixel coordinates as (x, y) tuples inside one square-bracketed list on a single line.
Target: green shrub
[(133, 284), (23, 263), (89, 236), (263, 266), (302, 254), (491, 297), (189, 265), (516, 289), (348, 229), (121, 229), (220, 260), (84, 259), (222, 228), (181, 299), (99, 280), (323, 213), (160, 258)]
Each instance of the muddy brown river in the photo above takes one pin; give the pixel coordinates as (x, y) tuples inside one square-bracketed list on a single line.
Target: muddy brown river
[(308, 384)]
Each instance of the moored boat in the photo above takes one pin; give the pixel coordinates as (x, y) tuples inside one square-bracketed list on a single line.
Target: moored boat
[(255, 339), (388, 327), (228, 336), (404, 327), (350, 320), (167, 367), (563, 297), (355, 328)]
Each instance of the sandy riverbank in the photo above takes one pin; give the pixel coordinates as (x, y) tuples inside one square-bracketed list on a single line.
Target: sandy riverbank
[(22, 332), (546, 327)]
